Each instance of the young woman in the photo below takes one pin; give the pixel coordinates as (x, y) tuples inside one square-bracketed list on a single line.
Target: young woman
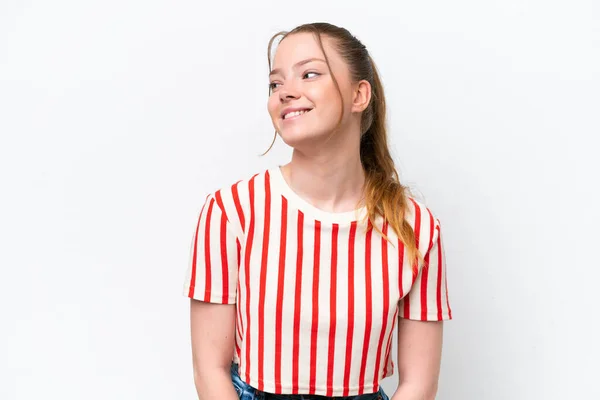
[(299, 273)]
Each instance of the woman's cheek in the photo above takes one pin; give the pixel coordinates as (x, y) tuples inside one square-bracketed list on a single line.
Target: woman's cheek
[(272, 107)]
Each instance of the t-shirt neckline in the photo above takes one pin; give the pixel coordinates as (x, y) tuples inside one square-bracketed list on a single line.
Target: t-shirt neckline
[(280, 184)]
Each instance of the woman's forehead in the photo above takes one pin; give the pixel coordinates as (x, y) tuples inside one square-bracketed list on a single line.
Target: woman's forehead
[(298, 47)]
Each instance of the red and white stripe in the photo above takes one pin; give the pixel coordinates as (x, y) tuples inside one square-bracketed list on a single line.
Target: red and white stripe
[(317, 293)]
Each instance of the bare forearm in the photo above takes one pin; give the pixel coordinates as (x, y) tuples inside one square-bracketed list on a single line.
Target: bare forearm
[(214, 384), (212, 331), (419, 359)]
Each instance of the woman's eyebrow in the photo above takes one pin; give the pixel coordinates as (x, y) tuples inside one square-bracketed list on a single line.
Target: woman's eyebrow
[(278, 70)]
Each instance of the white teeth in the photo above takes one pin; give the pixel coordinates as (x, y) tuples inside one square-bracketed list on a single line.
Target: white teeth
[(294, 113)]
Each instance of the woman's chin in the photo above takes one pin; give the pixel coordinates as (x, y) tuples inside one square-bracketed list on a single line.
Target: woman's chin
[(298, 137)]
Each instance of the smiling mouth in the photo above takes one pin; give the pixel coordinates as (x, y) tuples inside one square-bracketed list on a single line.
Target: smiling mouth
[(296, 114)]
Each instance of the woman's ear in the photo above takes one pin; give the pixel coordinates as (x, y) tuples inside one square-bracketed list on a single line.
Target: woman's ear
[(361, 96)]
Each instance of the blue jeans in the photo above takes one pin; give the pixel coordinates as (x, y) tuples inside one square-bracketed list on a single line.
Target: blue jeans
[(247, 392)]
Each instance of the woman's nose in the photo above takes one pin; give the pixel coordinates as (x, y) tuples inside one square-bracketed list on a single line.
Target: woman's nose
[(288, 91)]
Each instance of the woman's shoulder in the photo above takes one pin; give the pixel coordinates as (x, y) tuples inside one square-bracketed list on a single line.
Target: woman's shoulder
[(423, 220), (419, 209), (233, 197), (238, 191)]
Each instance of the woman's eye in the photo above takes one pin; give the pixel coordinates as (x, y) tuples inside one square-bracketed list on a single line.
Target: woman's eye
[(273, 85)]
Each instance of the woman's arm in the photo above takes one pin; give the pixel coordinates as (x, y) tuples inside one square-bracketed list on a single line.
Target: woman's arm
[(212, 329), (419, 358)]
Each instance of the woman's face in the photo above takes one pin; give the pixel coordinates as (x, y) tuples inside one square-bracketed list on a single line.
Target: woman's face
[(300, 80)]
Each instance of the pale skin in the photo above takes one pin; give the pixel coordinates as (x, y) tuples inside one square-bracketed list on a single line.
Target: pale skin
[(330, 176)]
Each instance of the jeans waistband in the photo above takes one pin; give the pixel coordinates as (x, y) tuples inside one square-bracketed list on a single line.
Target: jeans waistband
[(245, 391)]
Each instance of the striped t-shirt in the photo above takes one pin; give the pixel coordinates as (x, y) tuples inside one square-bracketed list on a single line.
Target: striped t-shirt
[(317, 296)]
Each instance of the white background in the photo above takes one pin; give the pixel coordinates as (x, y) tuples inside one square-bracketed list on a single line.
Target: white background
[(117, 117)]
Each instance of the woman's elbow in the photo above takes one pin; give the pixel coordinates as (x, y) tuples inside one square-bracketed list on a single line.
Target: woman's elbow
[(416, 391), (431, 391)]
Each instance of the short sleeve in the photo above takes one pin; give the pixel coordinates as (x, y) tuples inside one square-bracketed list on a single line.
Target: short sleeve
[(212, 271), (427, 299)]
